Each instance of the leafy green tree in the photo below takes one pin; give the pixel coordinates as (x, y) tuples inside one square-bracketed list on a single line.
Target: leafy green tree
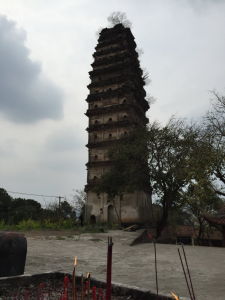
[(170, 150), (178, 156), (5, 205), (66, 210), (56, 212), (129, 170), (24, 209), (157, 160)]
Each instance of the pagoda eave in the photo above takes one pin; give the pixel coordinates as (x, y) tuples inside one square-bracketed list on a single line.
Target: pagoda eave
[(99, 163), (122, 123)]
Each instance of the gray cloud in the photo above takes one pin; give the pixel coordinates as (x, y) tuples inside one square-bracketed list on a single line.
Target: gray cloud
[(66, 139), (26, 95), (65, 149)]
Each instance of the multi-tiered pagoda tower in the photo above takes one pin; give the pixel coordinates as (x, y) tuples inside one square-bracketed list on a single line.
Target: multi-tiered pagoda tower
[(116, 105)]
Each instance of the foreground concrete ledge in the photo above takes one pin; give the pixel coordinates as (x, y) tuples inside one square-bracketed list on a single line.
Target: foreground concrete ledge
[(117, 288)]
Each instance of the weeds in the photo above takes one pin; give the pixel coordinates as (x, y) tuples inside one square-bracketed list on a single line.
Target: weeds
[(63, 224)]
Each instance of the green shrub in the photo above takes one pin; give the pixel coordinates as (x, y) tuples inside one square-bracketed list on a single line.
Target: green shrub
[(2, 225), (63, 224), (5, 226), (48, 224), (28, 225), (67, 224)]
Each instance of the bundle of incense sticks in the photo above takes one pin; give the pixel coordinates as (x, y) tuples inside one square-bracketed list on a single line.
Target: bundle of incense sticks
[(85, 288), (94, 293)]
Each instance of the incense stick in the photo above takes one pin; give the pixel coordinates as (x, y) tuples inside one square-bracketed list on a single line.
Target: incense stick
[(156, 273), (185, 275), (189, 275)]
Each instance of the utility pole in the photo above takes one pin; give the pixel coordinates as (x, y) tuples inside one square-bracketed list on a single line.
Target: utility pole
[(60, 197)]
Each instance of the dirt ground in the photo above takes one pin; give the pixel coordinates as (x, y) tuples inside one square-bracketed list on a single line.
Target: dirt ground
[(51, 251)]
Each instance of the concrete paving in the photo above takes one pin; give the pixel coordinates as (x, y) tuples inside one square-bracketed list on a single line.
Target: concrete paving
[(131, 265)]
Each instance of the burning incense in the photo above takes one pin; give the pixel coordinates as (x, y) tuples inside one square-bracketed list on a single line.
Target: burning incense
[(174, 296), (74, 294)]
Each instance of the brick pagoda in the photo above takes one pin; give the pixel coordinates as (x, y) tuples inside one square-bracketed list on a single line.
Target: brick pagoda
[(116, 105)]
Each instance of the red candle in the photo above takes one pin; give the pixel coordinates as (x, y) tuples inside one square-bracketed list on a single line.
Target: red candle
[(94, 293), (66, 281), (65, 287)]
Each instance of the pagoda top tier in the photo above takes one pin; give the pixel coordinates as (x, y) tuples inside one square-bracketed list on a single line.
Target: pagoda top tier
[(116, 67), (115, 35), (115, 31)]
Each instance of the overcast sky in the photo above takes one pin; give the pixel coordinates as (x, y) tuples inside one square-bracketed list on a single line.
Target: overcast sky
[(46, 50)]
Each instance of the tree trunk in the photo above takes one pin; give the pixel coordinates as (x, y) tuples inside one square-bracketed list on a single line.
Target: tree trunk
[(163, 221), (117, 214), (200, 232)]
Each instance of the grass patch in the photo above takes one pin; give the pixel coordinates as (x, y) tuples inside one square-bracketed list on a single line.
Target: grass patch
[(61, 238), (66, 224)]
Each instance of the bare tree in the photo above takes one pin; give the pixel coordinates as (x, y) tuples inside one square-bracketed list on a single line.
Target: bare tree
[(150, 99), (79, 200), (146, 77), (118, 17), (215, 135), (216, 116), (140, 51)]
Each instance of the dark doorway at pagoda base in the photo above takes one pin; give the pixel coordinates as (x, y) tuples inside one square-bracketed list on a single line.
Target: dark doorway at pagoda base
[(111, 215), (92, 219), (186, 240)]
